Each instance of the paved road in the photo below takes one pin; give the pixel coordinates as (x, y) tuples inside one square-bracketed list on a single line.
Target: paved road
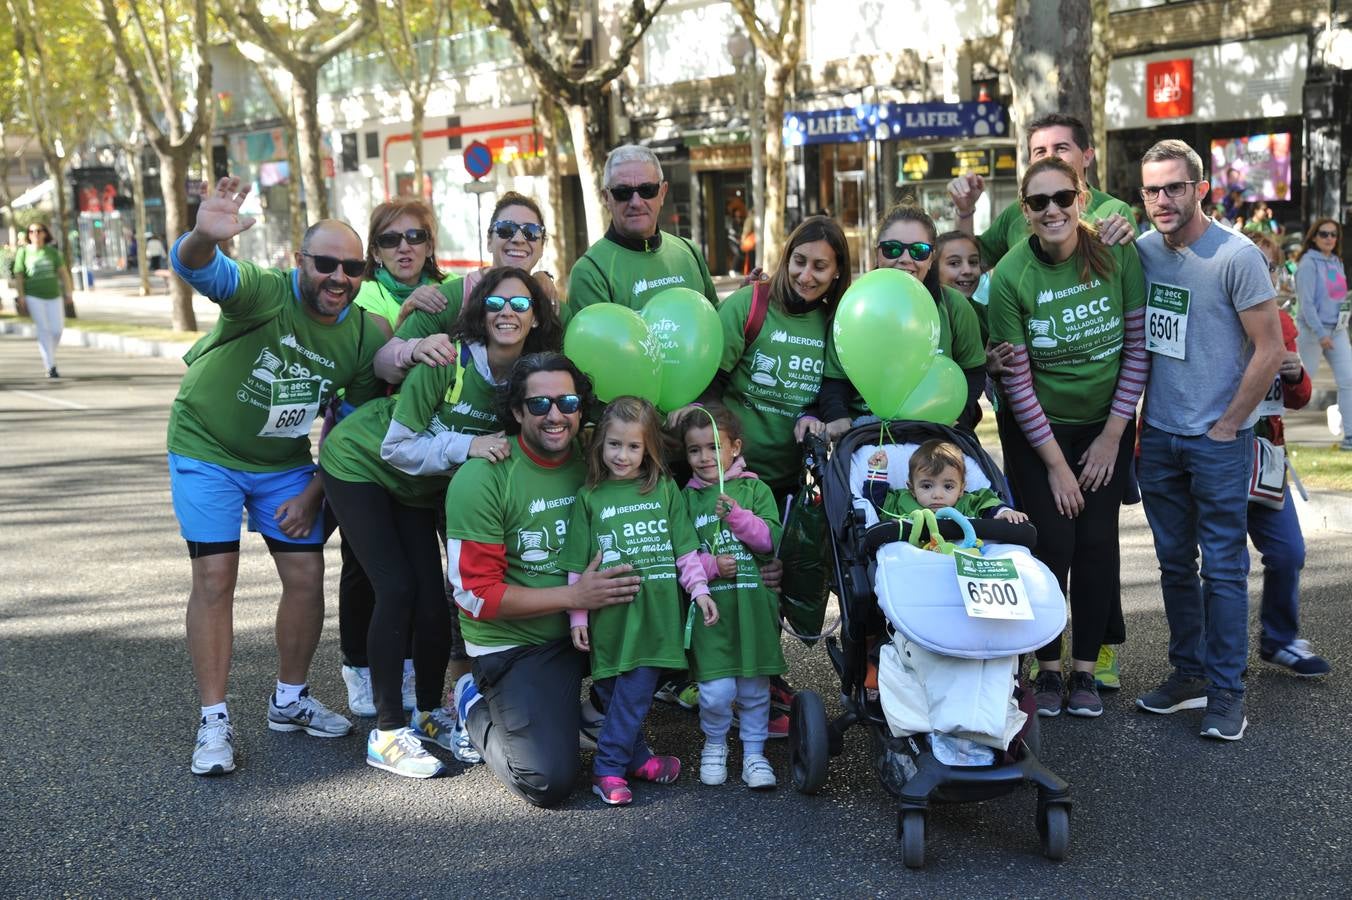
[(98, 713)]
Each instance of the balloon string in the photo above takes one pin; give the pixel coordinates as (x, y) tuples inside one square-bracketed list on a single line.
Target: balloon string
[(882, 431), (718, 460)]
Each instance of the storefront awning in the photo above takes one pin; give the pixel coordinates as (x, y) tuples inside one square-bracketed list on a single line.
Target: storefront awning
[(34, 195)]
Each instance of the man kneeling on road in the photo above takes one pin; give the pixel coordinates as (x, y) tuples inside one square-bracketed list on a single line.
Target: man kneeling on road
[(505, 525), (239, 437)]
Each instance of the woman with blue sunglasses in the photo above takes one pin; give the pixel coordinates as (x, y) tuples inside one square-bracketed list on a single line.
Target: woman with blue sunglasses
[(385, 470), (906, 239)]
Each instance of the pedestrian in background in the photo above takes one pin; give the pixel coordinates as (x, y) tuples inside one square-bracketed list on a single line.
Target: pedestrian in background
[(42, 281), (1321, 290)]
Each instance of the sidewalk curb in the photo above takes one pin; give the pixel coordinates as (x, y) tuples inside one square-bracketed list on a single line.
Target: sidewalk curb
[(118, 343), (1324, 511)]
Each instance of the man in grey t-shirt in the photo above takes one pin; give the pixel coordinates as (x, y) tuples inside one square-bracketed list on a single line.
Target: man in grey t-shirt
[(1212, 327)]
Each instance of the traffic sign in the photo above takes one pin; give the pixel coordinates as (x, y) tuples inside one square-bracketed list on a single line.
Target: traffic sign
[(478, 159)]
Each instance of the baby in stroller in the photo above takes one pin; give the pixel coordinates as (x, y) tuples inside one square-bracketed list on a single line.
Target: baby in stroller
[(950, 727)]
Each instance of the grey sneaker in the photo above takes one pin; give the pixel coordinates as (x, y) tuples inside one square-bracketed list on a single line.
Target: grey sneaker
[(1084, 696), (308, 715), (400, 752), (359, 698), (215, 750), (1047, 691), (713, 763), (1176, 693), (756, 772), (1224, 717), (462, 748), (433, 727)]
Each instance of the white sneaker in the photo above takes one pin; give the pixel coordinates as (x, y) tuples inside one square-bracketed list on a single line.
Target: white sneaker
[(359, 698), (713, 763), (309, 715), (215, 750), (1335, 417), (401, 752), (410, 689), (756, 772)]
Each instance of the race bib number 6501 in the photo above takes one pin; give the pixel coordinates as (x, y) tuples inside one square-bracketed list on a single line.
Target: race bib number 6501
[(1166, 319)]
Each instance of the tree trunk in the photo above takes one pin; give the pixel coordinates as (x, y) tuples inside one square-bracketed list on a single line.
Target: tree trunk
[(419, 114), (558, 251), (173, 185), (138, 196), (1100, 59), (771, 238), (584, 124), (61, 230), (305, 89), (295, 207), (1049, 68)]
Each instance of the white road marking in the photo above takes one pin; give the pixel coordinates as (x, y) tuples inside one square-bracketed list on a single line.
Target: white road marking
[(45, 399)]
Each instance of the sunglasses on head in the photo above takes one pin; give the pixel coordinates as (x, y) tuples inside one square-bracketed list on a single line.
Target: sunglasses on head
[(494, 303), (1325, 234), (919, 250), (390, 239), (623, 192), (567, 404), (507, 229), (324, 265), (1064, 199)]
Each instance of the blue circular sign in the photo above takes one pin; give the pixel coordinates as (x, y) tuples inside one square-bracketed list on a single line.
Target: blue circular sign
[(478, 159)]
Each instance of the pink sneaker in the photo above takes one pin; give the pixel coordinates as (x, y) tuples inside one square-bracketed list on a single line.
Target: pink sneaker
[(613, 790), (658, 769), (779, 727)]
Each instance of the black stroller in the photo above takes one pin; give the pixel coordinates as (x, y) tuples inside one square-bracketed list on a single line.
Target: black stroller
[(906, 766)]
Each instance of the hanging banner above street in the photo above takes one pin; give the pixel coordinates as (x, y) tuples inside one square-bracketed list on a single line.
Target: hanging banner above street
[(895, 122)]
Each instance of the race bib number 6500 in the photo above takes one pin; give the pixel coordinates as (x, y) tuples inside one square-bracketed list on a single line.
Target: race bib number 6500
[(991, 588), (1166, 319)]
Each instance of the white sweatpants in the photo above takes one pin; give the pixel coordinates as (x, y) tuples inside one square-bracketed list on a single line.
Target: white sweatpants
[(49, 317)]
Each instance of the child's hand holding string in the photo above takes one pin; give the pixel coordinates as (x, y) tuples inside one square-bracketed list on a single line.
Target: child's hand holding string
[(708, 608)]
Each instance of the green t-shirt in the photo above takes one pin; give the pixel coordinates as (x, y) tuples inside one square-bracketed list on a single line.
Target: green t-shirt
[(420, 324), (959, 339), (772, 381), (41, 271), (1010, 228), (647, 531), (1072, 328), (745, 641), (523, 506), (351, 452), (377, 298), (611, 273), (256, 382), (971, 504)]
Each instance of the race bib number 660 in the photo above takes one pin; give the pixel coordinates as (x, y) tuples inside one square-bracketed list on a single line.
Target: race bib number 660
[(1166, 319), (991, 588), (295, 403)]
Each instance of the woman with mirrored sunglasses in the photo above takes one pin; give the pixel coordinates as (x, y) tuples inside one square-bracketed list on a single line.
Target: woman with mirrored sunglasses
[(516, 237), (1068, 316), (386, 467), (1323, 304), (906, 240)]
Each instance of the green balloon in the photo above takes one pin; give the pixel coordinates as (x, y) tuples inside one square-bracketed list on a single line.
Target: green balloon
[(940, 395), (886, 332), (690, 335), (614, 347)]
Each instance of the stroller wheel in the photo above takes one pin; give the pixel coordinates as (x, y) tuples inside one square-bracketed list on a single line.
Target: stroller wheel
[(912, 837), (1053, 826), (809, 747)]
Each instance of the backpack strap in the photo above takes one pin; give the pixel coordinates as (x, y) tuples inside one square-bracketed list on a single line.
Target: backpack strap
[(755, 318), (463, 360)]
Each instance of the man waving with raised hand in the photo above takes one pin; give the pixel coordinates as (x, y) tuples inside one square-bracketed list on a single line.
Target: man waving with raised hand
[(239, 439)]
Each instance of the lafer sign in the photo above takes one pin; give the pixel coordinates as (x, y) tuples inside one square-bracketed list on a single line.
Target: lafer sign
[(1168, 89)]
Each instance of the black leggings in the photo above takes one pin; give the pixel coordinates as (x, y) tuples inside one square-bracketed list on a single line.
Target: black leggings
[(1083, 553), (397, 547)]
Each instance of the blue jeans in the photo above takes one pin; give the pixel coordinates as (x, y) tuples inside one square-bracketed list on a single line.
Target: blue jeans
[(1276, 534), (1195, 492), (626, 699)]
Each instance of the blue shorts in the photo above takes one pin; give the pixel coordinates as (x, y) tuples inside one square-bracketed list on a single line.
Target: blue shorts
[(208, 499)]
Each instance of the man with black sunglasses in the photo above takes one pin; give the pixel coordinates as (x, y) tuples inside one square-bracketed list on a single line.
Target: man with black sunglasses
[(636, 260), (239, 438), (505, 525), (1066, 138)]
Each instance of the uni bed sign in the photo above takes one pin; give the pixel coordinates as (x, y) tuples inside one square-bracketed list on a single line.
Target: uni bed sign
[(1168, 89)]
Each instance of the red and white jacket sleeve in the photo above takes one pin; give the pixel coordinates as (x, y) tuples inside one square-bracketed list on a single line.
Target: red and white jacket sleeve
[(477, 571)]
